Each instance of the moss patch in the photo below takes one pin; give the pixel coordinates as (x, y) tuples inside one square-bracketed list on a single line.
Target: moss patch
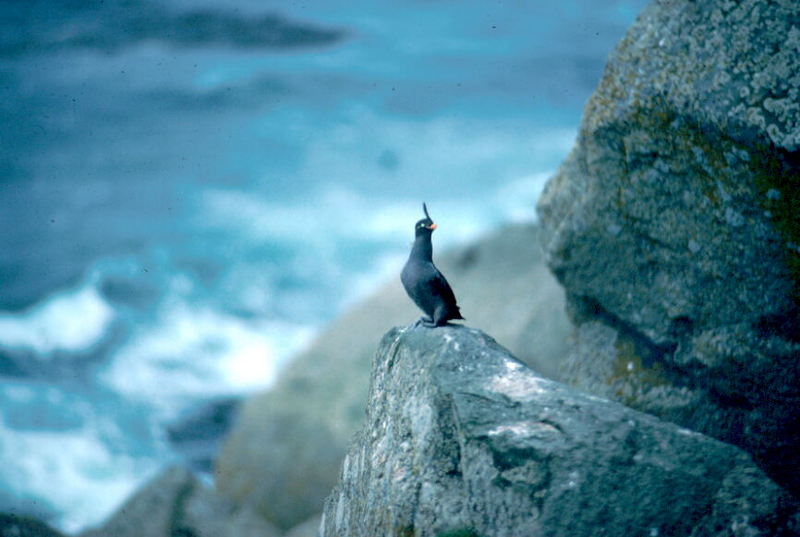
[(634, 371)]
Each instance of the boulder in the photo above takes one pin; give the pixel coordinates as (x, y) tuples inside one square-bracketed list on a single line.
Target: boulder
[(673, 226), (461, 438), (284, 452), (176, 504)]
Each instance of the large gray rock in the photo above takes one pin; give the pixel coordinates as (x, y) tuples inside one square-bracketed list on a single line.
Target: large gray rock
[(284, 453), (176, 504), (463, 439), (675, 230)]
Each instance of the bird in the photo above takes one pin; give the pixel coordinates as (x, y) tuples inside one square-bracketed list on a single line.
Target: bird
[(423, 282)]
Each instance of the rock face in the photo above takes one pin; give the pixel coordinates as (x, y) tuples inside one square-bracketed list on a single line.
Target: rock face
[(463, 439), (674, 225), (283, 455), (175, 504)]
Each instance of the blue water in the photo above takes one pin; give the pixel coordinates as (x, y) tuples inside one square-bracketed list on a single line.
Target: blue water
[(189, 190)]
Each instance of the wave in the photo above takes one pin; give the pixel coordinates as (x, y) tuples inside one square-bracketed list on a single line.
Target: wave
[(189, 354), (71, 320), (74, 473)]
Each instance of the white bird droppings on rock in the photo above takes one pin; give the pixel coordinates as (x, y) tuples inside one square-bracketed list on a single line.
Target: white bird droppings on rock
[(519, 386), (523, 428)]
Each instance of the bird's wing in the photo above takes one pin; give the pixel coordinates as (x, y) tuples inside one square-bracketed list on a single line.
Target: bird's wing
[(440, 287)]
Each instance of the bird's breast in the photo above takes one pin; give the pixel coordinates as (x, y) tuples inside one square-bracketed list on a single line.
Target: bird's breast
[(416, 274)]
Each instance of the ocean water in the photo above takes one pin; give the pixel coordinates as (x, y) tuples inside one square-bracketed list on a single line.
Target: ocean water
[(190, 189)]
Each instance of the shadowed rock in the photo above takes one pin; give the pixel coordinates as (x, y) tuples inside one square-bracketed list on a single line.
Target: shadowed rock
[(673, 226), (463, 439)]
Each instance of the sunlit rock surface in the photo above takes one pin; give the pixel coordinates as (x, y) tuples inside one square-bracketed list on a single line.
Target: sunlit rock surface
[(463, 439), (284, 453), (673, 225)]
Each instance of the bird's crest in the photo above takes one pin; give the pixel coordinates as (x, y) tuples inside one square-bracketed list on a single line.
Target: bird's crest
[(425, 208)]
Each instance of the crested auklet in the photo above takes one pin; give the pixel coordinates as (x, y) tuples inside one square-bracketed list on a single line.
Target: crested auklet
[(424, 283)]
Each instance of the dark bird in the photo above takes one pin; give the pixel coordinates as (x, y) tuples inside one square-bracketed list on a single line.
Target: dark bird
[(424, 283)]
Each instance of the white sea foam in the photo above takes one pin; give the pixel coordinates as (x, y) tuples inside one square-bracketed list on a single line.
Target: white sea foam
[(72, 471), (70, 320), (196, 353)]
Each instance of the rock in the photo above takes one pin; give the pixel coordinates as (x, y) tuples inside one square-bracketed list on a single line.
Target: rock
[(673, 226), (176, 504), (284, 453), (12, 525), (463, 439)]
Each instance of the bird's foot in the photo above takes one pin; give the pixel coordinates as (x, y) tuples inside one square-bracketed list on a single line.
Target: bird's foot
[(424, 321)]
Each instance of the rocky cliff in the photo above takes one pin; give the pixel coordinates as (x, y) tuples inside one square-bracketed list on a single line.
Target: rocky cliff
[(463, 439), (674, 225)]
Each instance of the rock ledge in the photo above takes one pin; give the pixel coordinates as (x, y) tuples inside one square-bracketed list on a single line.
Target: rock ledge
[(461, 438)]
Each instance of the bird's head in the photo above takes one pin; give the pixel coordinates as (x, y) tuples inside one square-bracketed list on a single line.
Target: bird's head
[(424, 226)]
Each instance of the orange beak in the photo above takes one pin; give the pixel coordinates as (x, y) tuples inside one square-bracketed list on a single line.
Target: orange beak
[(432, 227)]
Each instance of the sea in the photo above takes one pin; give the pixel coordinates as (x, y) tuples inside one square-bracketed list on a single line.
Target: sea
[(191, 189)]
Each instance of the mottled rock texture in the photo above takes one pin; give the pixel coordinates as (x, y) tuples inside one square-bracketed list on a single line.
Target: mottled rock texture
[(463, 439), (283, 455), (176, 504), (674, 225)]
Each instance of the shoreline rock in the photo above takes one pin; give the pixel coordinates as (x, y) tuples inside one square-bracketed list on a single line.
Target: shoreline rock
[(673, 226), (462, 437)]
